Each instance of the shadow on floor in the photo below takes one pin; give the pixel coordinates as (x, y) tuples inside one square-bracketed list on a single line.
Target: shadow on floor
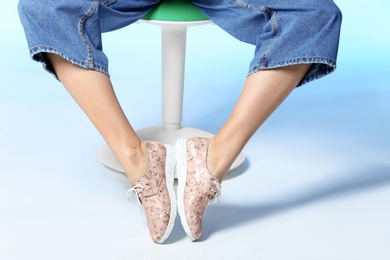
[(224, 216)]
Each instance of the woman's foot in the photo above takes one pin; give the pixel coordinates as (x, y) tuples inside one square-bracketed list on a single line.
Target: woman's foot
[(155, 191)]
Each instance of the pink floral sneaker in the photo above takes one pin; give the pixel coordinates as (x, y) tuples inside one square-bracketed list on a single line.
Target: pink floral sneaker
[(155, 191), (197, 186)]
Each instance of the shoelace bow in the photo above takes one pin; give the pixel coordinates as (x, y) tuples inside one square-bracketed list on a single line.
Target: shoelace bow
[(137, 190), (217, 194)]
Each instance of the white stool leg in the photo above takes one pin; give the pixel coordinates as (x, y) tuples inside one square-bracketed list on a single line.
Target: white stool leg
[(173, 66)]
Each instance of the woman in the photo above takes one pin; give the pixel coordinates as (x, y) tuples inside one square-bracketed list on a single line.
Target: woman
[(296, 42)]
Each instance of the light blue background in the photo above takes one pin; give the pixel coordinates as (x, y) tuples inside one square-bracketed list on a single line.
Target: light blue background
[(315, 185)]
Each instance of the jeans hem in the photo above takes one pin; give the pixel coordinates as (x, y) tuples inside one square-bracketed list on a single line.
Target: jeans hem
[(36, 53), (320, 68)]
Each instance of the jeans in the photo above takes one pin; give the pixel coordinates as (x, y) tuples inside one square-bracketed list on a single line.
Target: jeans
[(284, 32)]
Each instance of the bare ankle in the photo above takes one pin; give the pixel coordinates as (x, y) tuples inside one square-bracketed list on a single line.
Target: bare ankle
[(217, 160), (135, 161)]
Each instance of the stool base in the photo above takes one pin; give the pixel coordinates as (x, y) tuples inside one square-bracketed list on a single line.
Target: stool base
[(157, 133)]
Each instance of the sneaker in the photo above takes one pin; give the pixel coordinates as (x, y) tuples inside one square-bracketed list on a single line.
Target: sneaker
[(155, 191), (196, 185)]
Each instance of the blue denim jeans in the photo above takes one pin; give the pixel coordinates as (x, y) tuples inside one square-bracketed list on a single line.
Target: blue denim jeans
[(284, 32)]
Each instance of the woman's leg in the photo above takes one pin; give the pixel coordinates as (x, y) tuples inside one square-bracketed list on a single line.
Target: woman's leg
[(296, 42), (263, 92), (93, 92)]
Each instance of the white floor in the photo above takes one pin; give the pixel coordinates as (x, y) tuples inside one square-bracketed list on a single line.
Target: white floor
[(315, 184)]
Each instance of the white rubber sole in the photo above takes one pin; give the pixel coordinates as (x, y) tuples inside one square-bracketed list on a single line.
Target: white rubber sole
[(169, 179), (181, 173)]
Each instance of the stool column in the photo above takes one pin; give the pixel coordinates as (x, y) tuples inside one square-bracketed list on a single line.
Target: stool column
[(173, 62)]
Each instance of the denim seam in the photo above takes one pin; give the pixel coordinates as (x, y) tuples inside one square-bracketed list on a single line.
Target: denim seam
[(277, 34), (250, 7), (81, 31), (109, 2), (272, 21)]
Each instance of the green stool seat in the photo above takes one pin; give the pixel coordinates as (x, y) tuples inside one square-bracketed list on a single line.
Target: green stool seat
[(176, 11)]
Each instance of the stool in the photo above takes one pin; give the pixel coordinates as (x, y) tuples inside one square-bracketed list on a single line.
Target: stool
[(174, 17)]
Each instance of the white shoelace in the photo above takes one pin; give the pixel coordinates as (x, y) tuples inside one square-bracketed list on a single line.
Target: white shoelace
[(137, 190), (217, 194)]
